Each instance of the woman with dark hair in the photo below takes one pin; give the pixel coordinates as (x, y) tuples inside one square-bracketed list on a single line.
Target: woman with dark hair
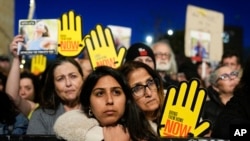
[(147, 89), (236, 111), (12, 122), (61, 93), (33, 93), (106, 97)]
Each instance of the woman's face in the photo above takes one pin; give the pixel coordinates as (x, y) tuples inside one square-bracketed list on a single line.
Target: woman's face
[(68, 82), (107, 101), (226, 85), (149, 101), (40, 27), (27, 90)]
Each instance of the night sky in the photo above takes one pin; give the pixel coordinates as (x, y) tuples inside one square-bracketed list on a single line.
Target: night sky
[(144, 16)]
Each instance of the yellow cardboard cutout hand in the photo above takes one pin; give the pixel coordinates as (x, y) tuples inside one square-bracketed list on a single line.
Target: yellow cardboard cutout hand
[(102, 50), (182, 111), (70, 41), (38, 64)]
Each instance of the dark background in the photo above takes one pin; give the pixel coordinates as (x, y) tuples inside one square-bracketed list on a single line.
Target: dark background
[(147, 17)]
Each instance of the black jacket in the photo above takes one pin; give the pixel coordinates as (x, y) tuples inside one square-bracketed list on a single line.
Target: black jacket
[(236, 111), (213, 107)]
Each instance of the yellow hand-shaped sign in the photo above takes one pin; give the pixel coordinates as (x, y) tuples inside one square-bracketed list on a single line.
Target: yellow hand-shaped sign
[(101, 48), (182, 111), (38, 64), (70, 41)]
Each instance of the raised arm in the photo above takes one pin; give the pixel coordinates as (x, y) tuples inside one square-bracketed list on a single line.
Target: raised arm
[(13, 80)]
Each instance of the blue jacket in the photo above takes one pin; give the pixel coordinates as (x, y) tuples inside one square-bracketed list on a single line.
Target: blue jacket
[(18, 128)]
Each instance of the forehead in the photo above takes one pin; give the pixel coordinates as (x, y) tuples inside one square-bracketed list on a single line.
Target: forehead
[(139, 74), (26, 81), (232, 59), (142, 58), (107, 81), (40, 23), (161, 47), (65, 67), (224, 69)]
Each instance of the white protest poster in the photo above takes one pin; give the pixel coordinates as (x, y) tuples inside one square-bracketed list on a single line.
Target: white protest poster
[(203, 34), (40, 36), (122, 35)]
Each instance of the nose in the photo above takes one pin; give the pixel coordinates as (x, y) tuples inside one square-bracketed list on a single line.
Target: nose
[(110, 99), (68, 82), (148, 92), (21, 91)]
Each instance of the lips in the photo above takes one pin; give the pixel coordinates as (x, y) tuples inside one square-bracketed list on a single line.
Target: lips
[(109, 112), (69, 91), (150, 101)]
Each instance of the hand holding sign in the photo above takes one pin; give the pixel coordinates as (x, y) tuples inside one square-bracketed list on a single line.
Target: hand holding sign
[(70, 41), (101, 48), (182, 111)]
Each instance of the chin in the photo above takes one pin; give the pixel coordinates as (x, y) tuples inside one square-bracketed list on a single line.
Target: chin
[(162, 67)]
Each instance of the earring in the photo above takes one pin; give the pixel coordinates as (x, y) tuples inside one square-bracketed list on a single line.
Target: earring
[(90, 112)]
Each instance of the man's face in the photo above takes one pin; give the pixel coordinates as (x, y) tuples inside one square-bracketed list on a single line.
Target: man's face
[(162, 56), (231, 62)]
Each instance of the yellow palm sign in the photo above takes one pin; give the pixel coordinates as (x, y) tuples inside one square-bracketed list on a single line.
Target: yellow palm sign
[(38, 64), (101, 48), (70, 41), (182, 111)]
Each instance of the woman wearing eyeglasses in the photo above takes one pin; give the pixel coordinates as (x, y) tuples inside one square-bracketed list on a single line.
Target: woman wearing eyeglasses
[(223, 81), (147, 89), (237, 110)]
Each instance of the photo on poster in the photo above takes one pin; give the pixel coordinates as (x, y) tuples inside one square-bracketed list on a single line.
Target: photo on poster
[(121, 35), (40, 36), (200, 45)]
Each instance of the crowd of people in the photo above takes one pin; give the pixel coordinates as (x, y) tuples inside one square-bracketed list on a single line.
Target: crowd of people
[(73, 101)]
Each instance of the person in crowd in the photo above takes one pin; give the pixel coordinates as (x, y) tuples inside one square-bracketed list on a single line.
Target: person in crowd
[(236, 111), (223, 81), (12, 122), (61, 93), (199, 52), (147, 89), (142, 53), (3, 79), (232, 59), (25, 94), (187, 71), (166, 64), (4, 64), (106, 98)]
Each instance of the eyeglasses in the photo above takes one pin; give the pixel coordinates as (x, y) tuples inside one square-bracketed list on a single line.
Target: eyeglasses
[(167, 55), (139, 90), (227, 76)]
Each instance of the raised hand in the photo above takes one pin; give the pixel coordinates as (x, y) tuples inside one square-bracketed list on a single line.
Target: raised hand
[(14, 45), (38, 64), (70, 41), (182, 112), (102, 50)]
